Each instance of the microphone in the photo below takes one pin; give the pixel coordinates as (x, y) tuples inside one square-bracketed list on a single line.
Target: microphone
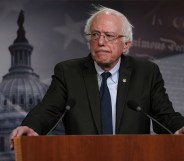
[(70, 103), (136, 107)]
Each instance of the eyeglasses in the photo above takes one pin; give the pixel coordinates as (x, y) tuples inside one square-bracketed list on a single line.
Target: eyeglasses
[(108, 36)]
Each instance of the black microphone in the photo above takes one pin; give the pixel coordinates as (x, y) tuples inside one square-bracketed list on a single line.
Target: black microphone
[(136, 107), (70, 103)]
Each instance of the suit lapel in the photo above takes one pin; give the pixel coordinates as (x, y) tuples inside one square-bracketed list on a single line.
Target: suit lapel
[(90, 79), (123, 84)]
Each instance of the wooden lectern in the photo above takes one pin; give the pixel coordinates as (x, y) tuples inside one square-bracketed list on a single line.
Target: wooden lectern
[(100, 148)]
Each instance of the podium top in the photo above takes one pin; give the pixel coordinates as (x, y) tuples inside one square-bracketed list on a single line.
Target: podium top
[(100, 148)]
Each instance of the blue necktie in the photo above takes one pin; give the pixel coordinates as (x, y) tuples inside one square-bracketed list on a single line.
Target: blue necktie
[(105, 105)]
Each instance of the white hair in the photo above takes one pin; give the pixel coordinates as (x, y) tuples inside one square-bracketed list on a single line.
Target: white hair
[(126, 25)]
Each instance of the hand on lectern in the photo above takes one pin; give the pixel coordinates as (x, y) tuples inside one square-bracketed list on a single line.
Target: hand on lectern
[(20, 131), (180, 131)]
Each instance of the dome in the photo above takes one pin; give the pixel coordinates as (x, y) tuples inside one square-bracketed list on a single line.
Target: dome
[(21, 86), (25, 90), (20, 89)]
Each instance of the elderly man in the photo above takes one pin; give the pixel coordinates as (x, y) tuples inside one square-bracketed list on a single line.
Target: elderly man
[(101, 84)]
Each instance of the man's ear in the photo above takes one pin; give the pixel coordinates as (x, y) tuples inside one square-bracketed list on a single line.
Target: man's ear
[(126, 46)]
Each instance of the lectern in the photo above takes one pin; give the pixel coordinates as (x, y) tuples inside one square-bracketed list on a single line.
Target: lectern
[(100, 148)]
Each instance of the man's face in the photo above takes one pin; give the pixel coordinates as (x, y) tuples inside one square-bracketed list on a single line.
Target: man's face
[(106, 53)]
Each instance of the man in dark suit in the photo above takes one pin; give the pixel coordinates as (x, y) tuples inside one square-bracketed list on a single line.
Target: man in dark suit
[(109, 36)]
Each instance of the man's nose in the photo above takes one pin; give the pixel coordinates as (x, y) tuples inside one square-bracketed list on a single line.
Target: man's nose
[(101, 40)]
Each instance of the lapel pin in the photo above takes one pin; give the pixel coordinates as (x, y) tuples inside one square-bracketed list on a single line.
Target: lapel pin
[(124, 80)]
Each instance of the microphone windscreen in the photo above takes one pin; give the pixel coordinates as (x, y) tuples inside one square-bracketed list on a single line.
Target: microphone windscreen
[(70, 103), (133, 105)]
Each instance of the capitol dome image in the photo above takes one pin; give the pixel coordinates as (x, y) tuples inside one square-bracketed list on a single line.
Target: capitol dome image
[(20, 89)]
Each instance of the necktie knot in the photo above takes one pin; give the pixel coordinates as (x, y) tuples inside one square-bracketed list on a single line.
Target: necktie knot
[(106, 75)]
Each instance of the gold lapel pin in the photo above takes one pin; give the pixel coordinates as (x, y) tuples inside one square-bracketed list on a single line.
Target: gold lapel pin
[(124, 80)]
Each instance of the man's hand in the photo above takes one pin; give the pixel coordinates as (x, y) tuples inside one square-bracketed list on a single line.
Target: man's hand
[(20, 131), (180, 131)]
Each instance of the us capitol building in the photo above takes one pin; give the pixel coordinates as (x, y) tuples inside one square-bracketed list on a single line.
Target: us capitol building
[(20, 89)]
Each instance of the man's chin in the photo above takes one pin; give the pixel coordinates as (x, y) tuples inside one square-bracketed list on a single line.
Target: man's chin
[(104, 63)]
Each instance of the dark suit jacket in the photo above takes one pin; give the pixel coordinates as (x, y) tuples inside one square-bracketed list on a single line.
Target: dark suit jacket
[(77, 79)]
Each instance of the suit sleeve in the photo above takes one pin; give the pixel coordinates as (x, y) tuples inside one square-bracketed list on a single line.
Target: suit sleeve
[(162, 107), (43, 117)]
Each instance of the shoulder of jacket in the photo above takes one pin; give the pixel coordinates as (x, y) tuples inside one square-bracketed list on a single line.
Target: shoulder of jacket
[(71, 62), (140, 61)]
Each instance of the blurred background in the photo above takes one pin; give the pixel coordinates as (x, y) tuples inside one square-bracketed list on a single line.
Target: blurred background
[(37, 34)]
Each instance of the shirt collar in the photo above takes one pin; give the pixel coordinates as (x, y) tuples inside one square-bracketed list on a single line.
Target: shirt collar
[(113, 71)]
